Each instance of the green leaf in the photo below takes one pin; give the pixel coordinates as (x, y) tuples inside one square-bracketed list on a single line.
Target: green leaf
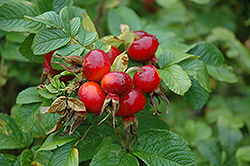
[(222, 73), (176, 79), (201, 2), (210, 150), (25, 50), (196, 97), (58, 5), (106, 156), (72, 49), (26, 157), (26, 116), (16, 37), (50, 19), (99, 44), (75, 25), (49, 120), (177, 46), (170, 57), (29, 95), (243, 153), (147, 120), (229, 138), (48, 40), (43, 157), (64, 15), (67, 155), (11, 136), (198, 70), (123, 15), (4, 160), (12, 13), (88, 24), (86, 37), (10, 52), (55, 140), (208, 53), (162, 147), (96, 138)]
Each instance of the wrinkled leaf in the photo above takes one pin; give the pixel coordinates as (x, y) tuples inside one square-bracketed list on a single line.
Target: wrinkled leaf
[(29, 95), (120, 63)]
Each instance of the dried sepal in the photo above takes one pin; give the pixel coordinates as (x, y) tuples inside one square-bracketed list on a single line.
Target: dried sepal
[(59, 124), (44, 110), (76, 105), (59, 105), (76, 63)]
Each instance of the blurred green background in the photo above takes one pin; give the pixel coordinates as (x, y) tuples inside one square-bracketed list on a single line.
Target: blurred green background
[(219, 133)]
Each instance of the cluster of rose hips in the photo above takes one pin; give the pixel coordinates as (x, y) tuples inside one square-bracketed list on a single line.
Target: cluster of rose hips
[(115, 92)]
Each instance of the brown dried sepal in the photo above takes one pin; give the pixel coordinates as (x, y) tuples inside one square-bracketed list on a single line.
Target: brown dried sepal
[(76, 105), (59, 105), (59, 124), (76, 63)]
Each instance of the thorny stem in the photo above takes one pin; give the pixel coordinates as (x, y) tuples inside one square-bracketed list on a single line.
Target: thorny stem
[(87, 130)]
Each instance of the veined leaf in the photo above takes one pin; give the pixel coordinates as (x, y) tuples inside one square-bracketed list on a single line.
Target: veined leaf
[(26, 116), (170, 57), (50, 19), (26, 157), (106, 156), (222, 73), (11, 136), (48, 40), (55, 140), (162, 147), (67, 155), (198, 70), (25, 50), (208, 53), (58, 5), (176, 79), (86, 37), (75, 25), (196, 97), (29, 95), (64, 15), (72, 49), (96, 138), (88, 24), (177, 46), (99, 44), (12, 13)]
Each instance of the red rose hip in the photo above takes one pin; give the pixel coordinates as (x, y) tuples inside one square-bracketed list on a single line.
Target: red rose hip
[(113, 53), (148, 79)]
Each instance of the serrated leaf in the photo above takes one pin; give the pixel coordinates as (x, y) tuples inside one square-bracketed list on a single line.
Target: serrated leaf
[(96, 138), (64, 15), (25, 50), (229, 138), (26, 157), (123, 15), (196, 97), (58, 5), (106, 156), (49, 120), (50, 19), (162, 147), (86, 37), (210, 150), (11, 16), (208, 53), (72, 49), (170, 57), (26, 116), (47, 40), (43, 157), (198, 70), (176, 79), (75, 24), (11, 136), (222, 73), (67, 155), (5, 161), (29, 95)]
